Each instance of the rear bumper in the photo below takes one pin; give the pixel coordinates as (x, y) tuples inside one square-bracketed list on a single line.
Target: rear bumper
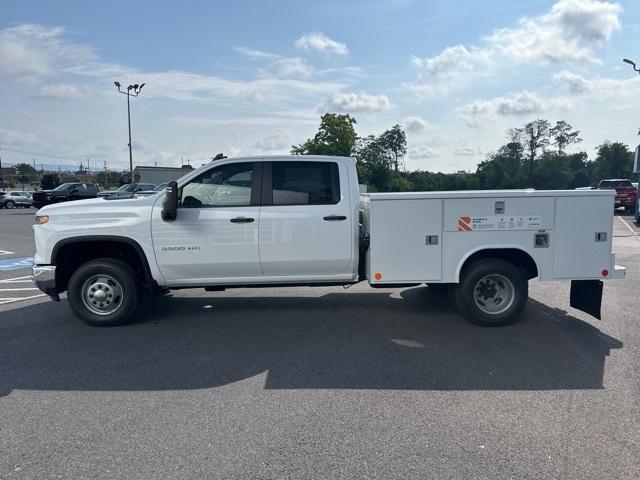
[(44, 276)]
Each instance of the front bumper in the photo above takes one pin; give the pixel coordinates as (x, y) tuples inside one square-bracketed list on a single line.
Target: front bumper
[(44, 277)]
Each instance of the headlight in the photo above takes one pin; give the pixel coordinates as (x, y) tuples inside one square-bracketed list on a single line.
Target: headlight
[(42, 219)]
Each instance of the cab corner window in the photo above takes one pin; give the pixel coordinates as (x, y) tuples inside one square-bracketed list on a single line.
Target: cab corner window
[(226, 185), (305, 183)]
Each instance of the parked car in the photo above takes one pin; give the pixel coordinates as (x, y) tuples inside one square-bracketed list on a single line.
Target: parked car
[(626, 194), (159, 188), (15, 199), (128, 189), (64, 193)]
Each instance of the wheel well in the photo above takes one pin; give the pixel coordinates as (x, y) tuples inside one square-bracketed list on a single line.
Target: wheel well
[(519, 258), (71, 255)]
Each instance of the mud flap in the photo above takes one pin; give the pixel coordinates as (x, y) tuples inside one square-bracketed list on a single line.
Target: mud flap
[(586, 295)]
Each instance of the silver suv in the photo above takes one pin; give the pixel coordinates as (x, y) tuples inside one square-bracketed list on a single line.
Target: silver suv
[(15, 199)]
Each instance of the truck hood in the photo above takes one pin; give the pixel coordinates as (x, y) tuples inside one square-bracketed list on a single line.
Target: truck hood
[(97, 206)]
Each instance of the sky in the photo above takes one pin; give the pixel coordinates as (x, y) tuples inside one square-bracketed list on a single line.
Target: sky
[(251, 78)]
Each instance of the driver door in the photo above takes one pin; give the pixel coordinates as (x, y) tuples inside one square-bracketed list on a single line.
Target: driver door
[(214, 238)]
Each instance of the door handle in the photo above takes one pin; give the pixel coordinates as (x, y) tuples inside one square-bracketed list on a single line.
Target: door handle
[(334, 218), (242, 220)]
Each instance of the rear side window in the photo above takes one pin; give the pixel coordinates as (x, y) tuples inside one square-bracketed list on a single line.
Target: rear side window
[(305, 183), (615, 184)]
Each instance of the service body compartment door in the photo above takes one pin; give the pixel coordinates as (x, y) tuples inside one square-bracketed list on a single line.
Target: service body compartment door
[(582, 237), (406, 241)]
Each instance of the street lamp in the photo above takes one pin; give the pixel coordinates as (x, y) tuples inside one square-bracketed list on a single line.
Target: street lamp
[(632, 63), (131, 91)]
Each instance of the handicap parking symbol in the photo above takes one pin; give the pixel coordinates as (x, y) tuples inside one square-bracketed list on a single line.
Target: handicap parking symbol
[(15, 263)]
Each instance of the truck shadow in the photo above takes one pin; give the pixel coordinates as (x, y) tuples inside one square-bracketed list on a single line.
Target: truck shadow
[(408, 339)]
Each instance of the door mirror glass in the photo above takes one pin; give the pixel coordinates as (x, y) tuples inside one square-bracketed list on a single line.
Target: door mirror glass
[(170, 207)]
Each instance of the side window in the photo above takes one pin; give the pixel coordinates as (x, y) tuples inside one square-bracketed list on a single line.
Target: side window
[(305, 183), (227, 185)]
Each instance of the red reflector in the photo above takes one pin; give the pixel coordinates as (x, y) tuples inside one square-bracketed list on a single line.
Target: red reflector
[(605, 273)]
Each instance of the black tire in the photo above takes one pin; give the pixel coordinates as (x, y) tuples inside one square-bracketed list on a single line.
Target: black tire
[(10, 204), (126, 281), (493, 276)]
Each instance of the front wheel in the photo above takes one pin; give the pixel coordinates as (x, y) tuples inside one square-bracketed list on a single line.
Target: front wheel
[(492, 292), (104, 292)]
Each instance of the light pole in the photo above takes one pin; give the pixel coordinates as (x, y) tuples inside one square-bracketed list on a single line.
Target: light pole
[(136, 91), (632, 63)]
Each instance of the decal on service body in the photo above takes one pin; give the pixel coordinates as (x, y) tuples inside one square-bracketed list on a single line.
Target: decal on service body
[(499, 222)]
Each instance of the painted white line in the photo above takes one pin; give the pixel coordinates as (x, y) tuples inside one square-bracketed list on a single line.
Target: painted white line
[(5, 252), (628, 226), (16, 279), (12, 300), (17, 289)]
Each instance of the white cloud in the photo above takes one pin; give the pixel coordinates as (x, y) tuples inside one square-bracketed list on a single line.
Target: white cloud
[(278, 65), (63, 91), (319, 42), (516, 104), (27, 50), (570, 31), (415, 124), (422, 151), (467, 151), (355, 102), (602, 87), (278, 141)]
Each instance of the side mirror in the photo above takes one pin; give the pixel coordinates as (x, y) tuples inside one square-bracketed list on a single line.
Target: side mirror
[(170, 207)]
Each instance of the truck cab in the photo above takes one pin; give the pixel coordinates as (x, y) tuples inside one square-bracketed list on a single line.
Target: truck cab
[(301, 220)]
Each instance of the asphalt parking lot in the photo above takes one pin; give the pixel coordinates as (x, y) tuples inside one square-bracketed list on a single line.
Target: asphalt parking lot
[(318, 383)]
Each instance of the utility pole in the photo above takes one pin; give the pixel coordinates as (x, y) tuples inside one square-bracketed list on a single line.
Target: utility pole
[(136, 91)]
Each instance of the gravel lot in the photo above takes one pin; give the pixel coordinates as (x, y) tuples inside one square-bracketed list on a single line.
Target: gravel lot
[(319, 383)]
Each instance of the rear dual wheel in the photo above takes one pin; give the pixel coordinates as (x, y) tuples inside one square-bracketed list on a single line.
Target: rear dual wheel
[(492, 292)]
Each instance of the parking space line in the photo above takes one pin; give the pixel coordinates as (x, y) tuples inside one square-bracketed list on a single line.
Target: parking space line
[(628, 226), (17, 289), (13, 300), (16, 279), (5, 252)]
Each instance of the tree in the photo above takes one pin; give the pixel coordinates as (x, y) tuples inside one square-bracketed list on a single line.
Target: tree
[(336, 136), (373, 163), (614, 160), (394, 141), (564, 135), (552, 171), (536, 137), (25, 173), (49, 181)]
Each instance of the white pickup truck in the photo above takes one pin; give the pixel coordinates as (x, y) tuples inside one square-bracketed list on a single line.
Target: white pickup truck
[(301, 220)]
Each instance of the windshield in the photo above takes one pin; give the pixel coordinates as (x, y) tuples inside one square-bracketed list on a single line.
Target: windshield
[(127, 187), (160, 187), (64, 186)]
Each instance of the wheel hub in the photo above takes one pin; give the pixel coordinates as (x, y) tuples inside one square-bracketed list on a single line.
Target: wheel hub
[(494, 294), (102, 294)]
